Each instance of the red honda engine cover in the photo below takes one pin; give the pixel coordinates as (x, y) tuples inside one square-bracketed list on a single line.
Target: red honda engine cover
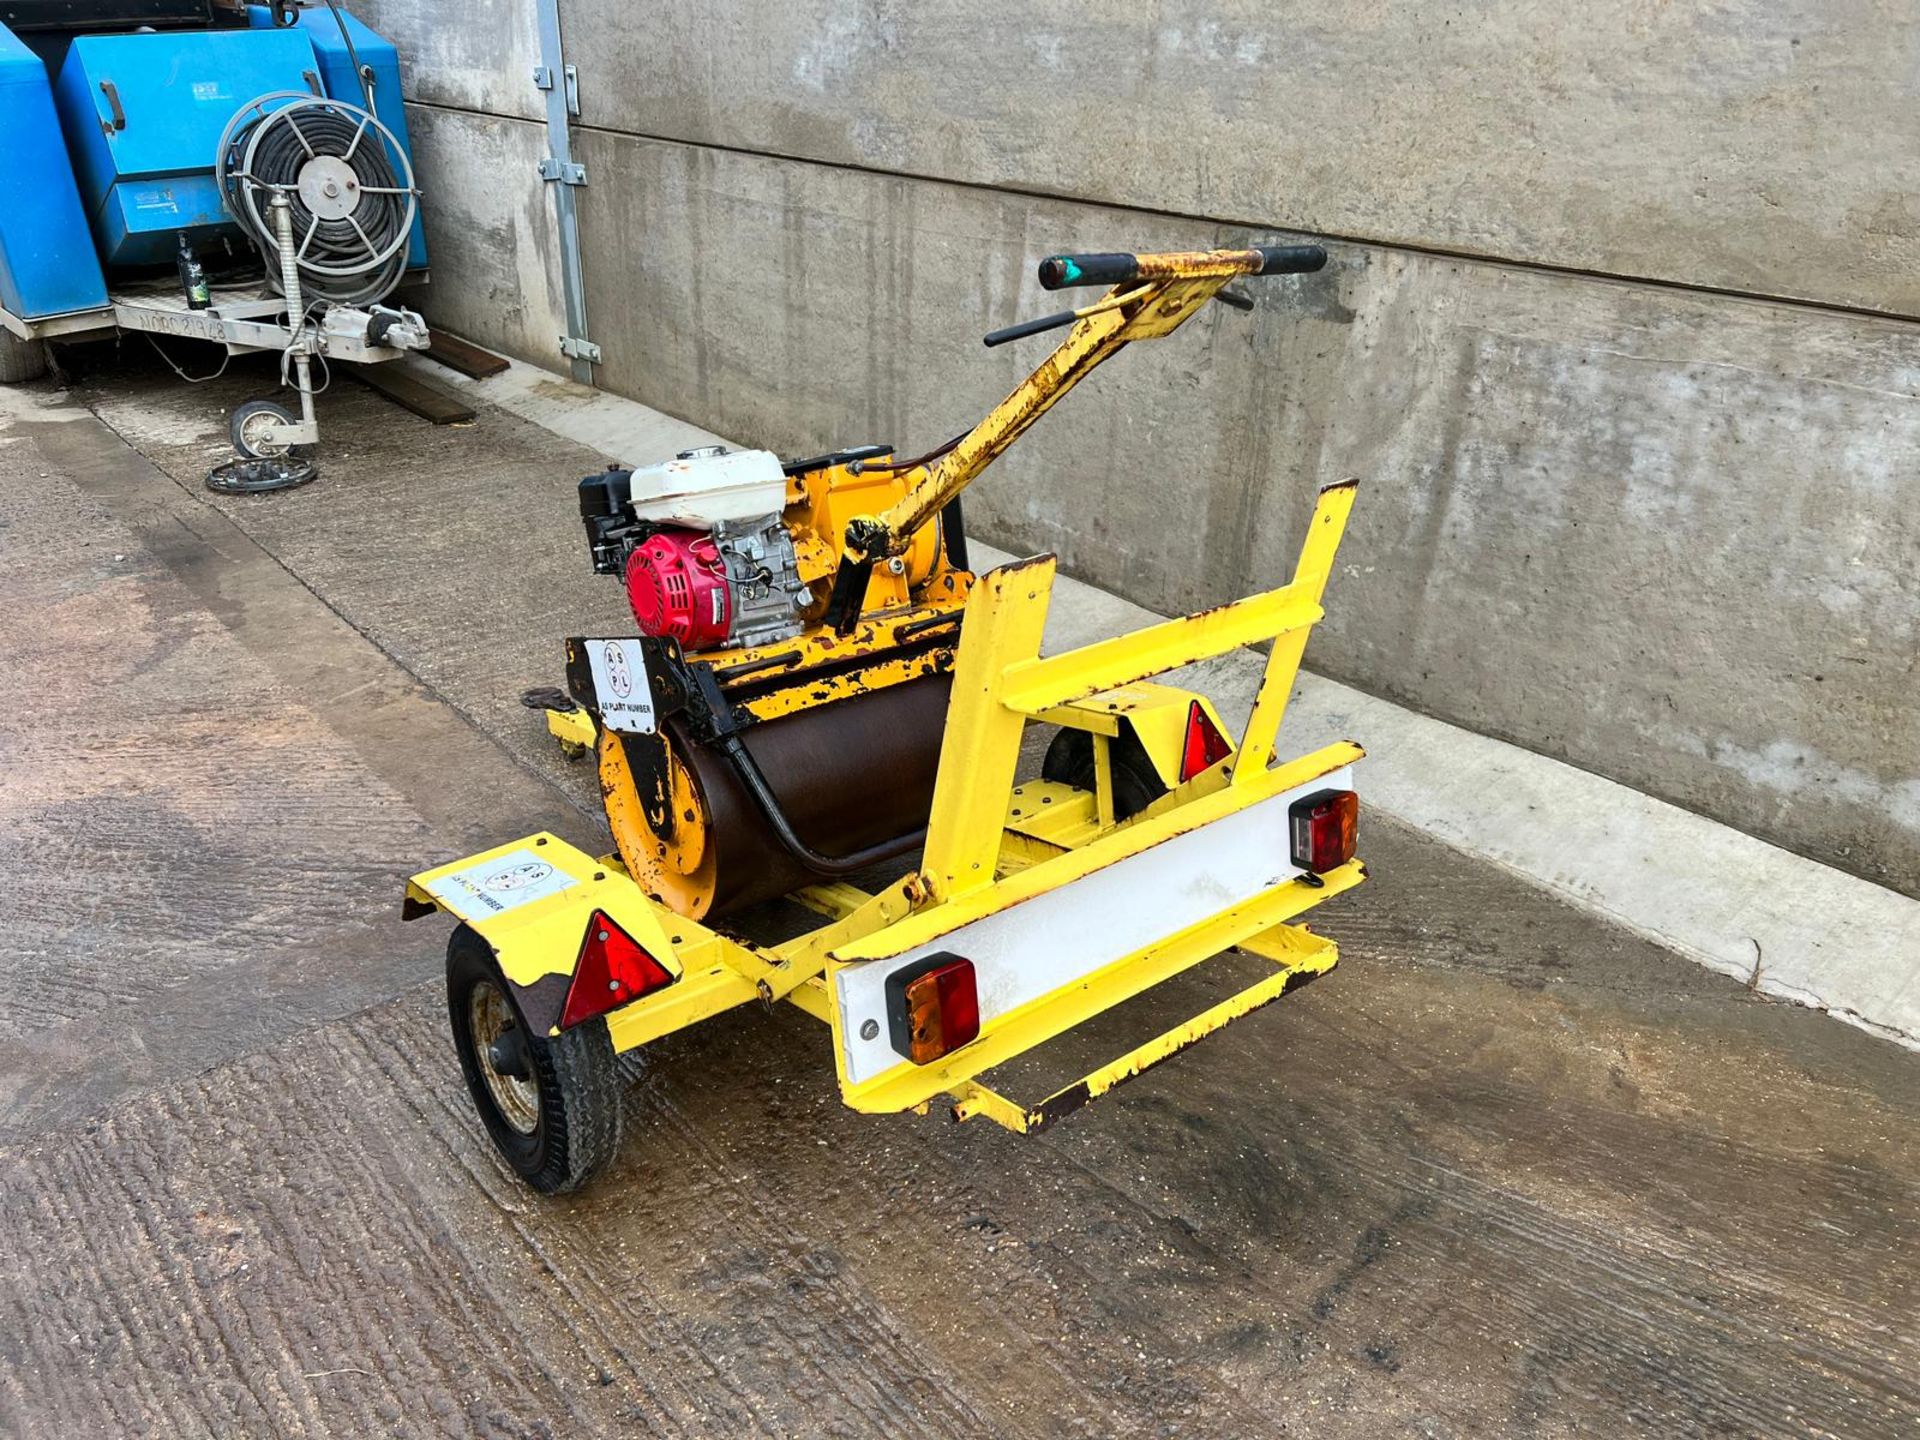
[(677, 585)]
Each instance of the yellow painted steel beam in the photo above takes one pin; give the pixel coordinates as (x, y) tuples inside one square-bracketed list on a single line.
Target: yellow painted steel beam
[(1006, 1036), (974, 1099), (804, 690), (1102, 711), (696, 996), (1089, 716), (1103, 808), (1051, 810), (834, 899), (1284, 945), (1018, 851), (1037, 686), (879, 911), (573, 727), (812, 997), (981, 748), (875, 637), (1310, 577)]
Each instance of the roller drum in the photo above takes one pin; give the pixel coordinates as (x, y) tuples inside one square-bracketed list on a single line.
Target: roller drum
[(850, 774)]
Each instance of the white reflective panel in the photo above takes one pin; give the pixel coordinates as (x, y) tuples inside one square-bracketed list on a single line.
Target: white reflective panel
[(1041, 944)]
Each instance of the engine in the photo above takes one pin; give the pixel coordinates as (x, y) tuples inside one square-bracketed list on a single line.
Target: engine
[(700, 542)]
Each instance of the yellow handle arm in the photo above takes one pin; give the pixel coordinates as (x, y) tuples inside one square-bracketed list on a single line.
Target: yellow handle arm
[(1152, 295)]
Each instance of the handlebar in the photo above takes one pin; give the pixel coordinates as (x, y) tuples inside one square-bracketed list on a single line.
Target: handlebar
[(1118, 268), (1173, 289)]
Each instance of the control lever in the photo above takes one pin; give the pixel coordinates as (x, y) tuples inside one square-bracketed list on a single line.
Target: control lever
[(1231, 298)]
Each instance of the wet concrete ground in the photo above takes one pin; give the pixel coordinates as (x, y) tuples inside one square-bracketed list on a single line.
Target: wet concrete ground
[(1507, 1172)]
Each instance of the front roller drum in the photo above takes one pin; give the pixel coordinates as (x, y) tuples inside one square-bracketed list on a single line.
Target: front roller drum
[(663, 838), (849, 775)]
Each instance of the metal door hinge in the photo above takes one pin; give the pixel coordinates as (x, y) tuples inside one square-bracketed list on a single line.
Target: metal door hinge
[(579, 349), (570, 77), (566, 172)]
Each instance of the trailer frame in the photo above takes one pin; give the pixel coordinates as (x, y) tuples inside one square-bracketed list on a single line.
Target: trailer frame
[(986, 856)]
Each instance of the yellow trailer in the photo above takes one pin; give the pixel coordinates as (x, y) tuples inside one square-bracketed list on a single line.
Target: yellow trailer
[(1154, 840)]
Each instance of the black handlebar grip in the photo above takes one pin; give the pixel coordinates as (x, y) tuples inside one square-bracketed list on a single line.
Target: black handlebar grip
[(1029, 327), (1059, 271), (1291, 259)]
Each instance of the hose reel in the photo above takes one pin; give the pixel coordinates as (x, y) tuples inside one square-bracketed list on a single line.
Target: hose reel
[(349, 188)]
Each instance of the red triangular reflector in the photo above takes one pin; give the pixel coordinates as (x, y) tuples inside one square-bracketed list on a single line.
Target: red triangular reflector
[(1205, 746), (612, 969)]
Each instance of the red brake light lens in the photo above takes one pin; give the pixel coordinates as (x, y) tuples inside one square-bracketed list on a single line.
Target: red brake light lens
[(1322, 828), (933, 1008), (1205, 747), (612, 970)]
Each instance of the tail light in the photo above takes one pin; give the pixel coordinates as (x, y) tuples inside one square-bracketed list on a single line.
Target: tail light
[(1322, 829), (611, 971), (1205, 747), (933, 1008)]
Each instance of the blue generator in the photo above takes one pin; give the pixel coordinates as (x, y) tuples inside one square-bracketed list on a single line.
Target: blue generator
[(114, 115)]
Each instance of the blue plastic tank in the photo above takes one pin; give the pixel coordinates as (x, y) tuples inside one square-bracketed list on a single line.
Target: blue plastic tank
[(143, 115), (47, 262)]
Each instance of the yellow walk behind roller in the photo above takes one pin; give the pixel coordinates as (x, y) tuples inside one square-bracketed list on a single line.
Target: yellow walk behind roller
[(805, 616), (821, 683)]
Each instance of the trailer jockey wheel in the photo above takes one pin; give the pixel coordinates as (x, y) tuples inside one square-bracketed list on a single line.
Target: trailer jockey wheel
[(262, 465), (551, 1104), (251, 424)]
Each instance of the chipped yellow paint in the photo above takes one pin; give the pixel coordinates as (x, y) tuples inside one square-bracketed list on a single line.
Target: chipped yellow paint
[(804, 692), (990, 845), (1307, 957), (874, 637), (1179, 285)]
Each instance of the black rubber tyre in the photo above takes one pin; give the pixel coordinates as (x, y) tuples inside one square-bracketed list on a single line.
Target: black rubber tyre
[(1136, 784), (243, 428), (21, 360), (572, 1130)]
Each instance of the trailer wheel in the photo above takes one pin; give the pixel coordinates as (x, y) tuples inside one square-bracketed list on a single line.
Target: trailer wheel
[(250, 424), (1136, 784), (551, 1104), (21, 359)]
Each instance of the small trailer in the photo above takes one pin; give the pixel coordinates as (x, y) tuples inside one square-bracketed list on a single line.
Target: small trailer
[(243, 320), (148, 137), (1153, 841)]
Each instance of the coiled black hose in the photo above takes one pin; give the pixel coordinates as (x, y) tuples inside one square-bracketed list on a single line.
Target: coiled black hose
[(354, 256)]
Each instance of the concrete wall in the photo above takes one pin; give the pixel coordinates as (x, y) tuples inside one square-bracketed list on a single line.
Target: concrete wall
[(491, 246), (1755, 145), (1669, 535)]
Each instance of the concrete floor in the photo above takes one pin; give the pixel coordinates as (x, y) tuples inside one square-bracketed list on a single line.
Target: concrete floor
[(1508, 1172)]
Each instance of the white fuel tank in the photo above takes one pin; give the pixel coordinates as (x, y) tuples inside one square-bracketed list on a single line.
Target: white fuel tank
[(703, 488)]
